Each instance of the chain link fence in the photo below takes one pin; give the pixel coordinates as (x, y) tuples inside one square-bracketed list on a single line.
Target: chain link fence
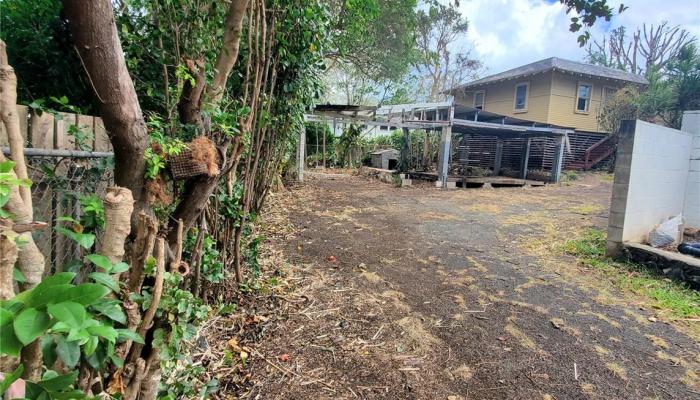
[(59, 182)]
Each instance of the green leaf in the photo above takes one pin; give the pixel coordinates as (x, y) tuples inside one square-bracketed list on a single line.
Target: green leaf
[(9, 344), (18, 276), (6, 166), (81, 336), (85, 240), (73, 266), (86, 294), (10, 379), (118, 362), (105, 279), (59, 383), (90, 345), (73, 314), (43, 296), (60, 327), (48, 350), (30, 324), (68, 351), (97, 358), (35, 392), (5, 316), (111, 309), (119, 267), (104, 331), (100, 261), (57, 279), (38, 296), (70, 395), (49, 374), (128, 334)]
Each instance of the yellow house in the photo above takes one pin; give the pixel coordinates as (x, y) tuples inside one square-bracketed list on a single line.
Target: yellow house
[(553, 91)]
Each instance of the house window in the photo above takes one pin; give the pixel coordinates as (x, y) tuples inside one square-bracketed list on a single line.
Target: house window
[(521, 90), (608, 93), (583, 97), (479, 99)]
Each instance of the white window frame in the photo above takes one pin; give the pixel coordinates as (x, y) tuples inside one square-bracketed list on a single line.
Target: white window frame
[(483, 98), (515, 97), (603, 99), (590, 97)]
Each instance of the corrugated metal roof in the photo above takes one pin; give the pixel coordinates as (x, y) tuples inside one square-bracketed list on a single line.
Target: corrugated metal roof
[(559, 64)]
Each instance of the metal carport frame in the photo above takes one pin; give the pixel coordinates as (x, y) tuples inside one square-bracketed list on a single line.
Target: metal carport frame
[(441, 116)]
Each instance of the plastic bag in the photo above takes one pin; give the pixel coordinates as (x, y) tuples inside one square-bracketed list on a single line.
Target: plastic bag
[(666, 233)]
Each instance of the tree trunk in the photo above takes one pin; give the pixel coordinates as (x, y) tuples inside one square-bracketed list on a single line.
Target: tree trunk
[(198, 190), (8, 257), (8, 115), (189, 106), (29, 259), (229, 54), (118, 205), (97, 42)]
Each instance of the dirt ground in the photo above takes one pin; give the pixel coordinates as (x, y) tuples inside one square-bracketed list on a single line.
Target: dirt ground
[(418, 293)]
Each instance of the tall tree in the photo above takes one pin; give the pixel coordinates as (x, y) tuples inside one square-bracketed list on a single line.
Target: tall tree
[(18, 205), (439, 29), (373, 45), (373, 37), (348, 86), (97, 41), (668, 95), (96, 37), (684, 72), (40, 44), (647, 49)]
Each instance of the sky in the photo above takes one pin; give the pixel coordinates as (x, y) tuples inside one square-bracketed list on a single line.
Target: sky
[(505, 34)]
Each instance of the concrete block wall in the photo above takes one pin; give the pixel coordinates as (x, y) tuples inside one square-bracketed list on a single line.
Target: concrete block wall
[(691, 211), (651, 174)]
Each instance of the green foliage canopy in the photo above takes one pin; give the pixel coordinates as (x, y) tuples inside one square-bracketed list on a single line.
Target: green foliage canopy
[(375, 36), (40, 49)]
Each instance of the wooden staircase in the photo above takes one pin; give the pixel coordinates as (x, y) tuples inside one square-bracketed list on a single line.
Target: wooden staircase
[(600, 151)]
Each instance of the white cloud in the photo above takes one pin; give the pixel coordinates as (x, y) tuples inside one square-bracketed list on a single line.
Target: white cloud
[(509, 33)]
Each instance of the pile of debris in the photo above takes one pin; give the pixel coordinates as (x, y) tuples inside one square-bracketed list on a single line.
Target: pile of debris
[(671, 236), (666, 241)]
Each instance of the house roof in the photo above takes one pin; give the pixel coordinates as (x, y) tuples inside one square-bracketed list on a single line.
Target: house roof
[(558, 64), (390, 151)]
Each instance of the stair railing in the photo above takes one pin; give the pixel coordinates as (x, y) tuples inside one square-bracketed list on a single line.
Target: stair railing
[(588, 163)]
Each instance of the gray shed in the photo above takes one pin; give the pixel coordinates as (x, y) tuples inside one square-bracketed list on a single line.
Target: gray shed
[(385, 159)]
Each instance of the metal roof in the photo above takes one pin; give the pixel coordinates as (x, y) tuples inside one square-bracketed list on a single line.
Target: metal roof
[(463, 112), (383, 151), (435, 116), (558, 64), (349, 108)]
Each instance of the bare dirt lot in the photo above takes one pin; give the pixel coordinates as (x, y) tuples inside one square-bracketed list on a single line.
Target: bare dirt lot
[(418, 293)]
